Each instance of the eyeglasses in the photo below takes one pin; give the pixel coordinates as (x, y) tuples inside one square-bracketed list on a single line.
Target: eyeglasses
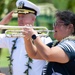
[(58, 23)]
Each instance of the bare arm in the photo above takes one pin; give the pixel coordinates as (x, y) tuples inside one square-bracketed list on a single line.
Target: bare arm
[(31, 49), (54, 54), (6, 19), (41, 51)]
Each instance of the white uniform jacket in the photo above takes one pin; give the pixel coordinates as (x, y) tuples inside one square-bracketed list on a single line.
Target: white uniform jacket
[(20, 58)]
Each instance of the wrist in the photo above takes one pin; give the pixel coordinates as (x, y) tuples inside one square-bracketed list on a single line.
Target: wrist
[(2, 23), (26, 38)]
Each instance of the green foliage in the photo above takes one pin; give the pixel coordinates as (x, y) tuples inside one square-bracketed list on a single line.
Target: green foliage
[(46, 21), (61, 4), (40, 1), (13, 22), (2, 5), (64, 4), (3, 58), (71, 5), (11, 5)]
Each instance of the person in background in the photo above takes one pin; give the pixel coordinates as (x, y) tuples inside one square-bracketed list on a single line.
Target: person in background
[(20, 63), (60, 54)]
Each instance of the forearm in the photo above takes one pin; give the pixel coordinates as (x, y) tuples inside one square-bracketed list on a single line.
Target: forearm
[(39, 49), (6, 19), (43, 50), (30, 48), (1, 23)]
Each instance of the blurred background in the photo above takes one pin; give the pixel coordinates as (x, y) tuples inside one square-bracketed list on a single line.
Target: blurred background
[(46, 18)]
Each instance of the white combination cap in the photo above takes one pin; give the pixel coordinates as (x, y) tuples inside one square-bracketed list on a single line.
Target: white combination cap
[(25, 6)]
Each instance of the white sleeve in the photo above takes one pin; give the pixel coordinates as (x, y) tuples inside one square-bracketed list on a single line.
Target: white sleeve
[(3, 41), (46, 40)]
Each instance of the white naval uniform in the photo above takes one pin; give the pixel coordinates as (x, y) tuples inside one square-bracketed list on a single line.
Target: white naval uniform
[(19, 57)]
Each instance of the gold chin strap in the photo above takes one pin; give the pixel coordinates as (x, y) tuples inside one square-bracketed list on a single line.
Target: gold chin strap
[(24, 11)]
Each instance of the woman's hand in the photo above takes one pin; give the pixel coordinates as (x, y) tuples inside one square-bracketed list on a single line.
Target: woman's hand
[(29, 31)]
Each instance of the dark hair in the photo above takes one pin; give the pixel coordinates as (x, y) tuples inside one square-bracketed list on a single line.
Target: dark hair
[(68, 17)]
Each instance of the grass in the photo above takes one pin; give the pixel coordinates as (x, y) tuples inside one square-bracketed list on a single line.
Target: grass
[(3, 58)]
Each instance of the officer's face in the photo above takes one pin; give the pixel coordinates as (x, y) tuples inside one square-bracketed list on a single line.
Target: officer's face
[(24, 19)]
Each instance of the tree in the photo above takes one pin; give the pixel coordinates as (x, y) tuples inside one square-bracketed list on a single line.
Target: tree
[(11, 5), (71, 5), (2, 6), (40, 1), (61, 4)]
